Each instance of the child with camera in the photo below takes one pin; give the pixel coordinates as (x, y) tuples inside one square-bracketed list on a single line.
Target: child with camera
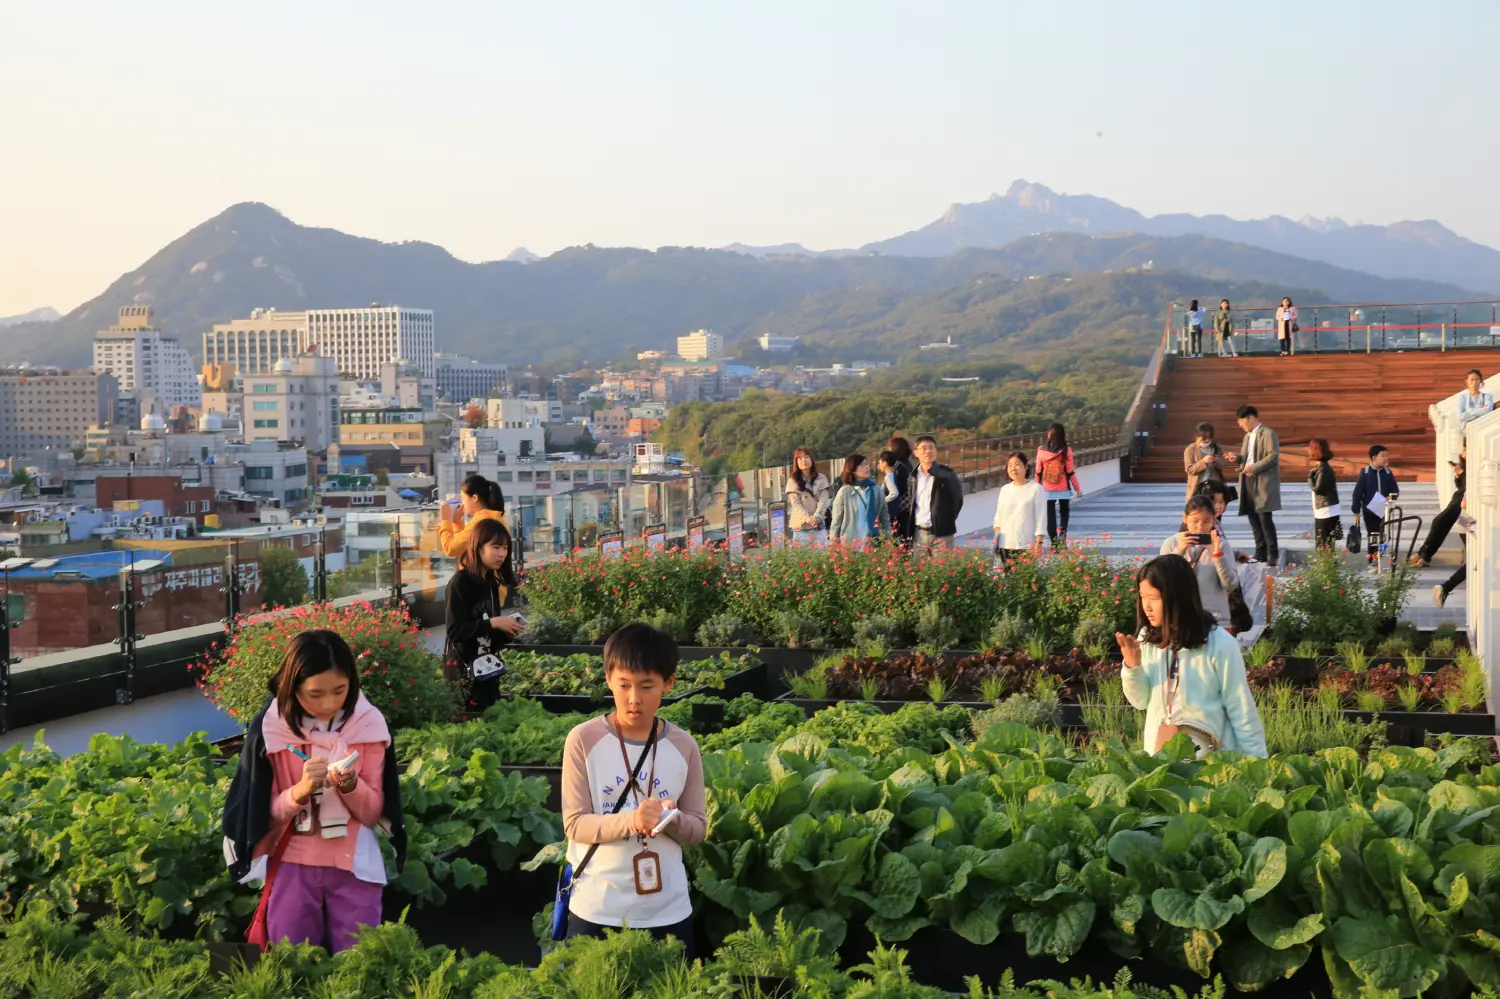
[(632, 798), (1203, 544), (477, 593)]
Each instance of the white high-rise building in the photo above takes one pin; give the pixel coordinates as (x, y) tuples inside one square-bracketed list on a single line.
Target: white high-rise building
[(254, 345), (700, 345), (143, 361), (362, 341)]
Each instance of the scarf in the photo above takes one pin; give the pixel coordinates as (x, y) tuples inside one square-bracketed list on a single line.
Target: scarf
[(364, 726)]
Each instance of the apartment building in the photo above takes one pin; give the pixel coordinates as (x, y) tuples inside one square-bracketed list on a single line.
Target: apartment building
[(700, 345), (145, 362), (44, 408), (254, 345), (362, 341)]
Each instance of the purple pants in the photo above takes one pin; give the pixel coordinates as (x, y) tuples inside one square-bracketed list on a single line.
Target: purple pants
[(320, 905)]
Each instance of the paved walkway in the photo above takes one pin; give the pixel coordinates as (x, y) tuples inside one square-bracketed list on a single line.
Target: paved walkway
[(1134, 519)]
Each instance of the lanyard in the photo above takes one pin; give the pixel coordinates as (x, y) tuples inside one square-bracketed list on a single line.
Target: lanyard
[(625, 755), (1172, 685)]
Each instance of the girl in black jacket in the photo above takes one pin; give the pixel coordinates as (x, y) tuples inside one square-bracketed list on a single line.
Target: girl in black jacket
[(1327, 523), (478, 591)]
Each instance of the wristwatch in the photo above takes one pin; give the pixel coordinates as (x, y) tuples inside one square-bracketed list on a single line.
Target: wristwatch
[(347, 784)]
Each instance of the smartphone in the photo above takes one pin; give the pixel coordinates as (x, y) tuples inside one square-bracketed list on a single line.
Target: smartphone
[(346, 764), (520, 618), (1201, 539), (667, 818)]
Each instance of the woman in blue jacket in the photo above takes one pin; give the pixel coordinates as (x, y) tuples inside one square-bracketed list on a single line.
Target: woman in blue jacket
[(1185, 671), (859, 511)]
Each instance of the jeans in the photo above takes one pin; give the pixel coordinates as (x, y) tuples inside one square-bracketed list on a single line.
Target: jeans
[(682, 931), (1456, 580), (1264, 529), (320, 905), (1057, 521), (1195, 340), (1441, 525)]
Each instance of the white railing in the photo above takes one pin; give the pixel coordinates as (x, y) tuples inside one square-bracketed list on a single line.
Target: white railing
[(1483, 496), (1450, 438)]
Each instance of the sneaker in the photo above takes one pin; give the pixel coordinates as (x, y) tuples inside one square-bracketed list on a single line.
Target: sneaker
[(1439, 595)]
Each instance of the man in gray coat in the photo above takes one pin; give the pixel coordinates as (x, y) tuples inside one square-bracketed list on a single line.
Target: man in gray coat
[(1260, 483)]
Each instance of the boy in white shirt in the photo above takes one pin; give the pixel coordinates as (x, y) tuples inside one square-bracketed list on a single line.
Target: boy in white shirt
[(636, 876)]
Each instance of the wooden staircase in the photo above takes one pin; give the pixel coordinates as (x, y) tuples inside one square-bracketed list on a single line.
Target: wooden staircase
[(1352, 400)]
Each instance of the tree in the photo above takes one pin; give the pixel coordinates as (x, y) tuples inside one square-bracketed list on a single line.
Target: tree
[(474, 417), (20, 477), (283, 581), (382, 477)]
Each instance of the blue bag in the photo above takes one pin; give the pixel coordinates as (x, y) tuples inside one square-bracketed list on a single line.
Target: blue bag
[(569, 873)]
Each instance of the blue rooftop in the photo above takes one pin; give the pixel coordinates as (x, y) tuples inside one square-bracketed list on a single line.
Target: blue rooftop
[(88, 565)]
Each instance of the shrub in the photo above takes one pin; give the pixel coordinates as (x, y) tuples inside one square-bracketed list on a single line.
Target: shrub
[(674, 623), (398, 675), (1093, 633), (545, 629), (1033, 711), (595, 630), (936, 630), (799, 632), (1329, 603), (727, 630), (633, 585), (1008, 633), (880, 629)]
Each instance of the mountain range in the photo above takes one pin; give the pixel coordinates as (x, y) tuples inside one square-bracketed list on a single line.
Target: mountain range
[(593, 303), (46, 314)]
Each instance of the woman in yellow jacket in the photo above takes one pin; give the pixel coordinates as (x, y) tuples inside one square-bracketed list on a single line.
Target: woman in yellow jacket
[(479, 499)]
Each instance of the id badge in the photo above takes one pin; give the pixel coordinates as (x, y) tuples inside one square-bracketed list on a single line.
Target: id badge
[(647, 873), (303, 822)]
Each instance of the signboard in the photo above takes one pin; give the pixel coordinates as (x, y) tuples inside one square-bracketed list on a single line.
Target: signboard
[(776, 517), (656, 536), (735, 526), (611, 542), (695, 533)]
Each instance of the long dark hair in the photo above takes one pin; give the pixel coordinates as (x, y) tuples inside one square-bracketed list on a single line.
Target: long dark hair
[(311, 654), (802, 483), (851, 466), (1185, 624), (1057, 438), (485, 491), (483, 533), (1025, 460), (901, 446), (1318, 450)]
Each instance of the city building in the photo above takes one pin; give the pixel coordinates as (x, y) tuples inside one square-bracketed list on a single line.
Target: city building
[(400, 427), (462, 378), (223, 392), (613, 422), (298, 400), (700, 345), (145, 363), (273, 472), (44, 408), (652, 355), (362, 341), (254, 345), (407, 387), (516, 441), (778, 344)]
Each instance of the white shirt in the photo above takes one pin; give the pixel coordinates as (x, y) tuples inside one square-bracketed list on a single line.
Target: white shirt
[(924, 498), (1020, 515), (1252, 441)]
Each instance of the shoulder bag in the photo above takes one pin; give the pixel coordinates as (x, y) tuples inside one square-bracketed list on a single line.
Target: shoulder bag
[(569, 874)]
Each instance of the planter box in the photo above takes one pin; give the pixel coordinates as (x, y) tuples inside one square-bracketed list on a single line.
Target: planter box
[(1431, 721), (943, 959), (495, 919), (749, 681)]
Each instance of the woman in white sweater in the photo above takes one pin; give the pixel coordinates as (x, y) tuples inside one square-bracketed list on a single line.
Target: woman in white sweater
[(808, 499), (1020, 512)]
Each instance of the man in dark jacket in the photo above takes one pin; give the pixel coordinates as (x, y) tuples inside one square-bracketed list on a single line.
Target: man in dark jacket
[(932, 501), (1373, 490)]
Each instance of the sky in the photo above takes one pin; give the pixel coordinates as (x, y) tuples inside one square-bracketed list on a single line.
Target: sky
[(486, 126)]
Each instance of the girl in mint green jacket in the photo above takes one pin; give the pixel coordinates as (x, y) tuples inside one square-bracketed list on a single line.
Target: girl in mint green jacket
[(1184, 670)]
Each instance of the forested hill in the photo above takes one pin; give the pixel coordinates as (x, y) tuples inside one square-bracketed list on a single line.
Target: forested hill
[(592, 303)]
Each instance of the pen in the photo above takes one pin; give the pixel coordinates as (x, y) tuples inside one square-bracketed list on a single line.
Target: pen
[(297, 752)]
